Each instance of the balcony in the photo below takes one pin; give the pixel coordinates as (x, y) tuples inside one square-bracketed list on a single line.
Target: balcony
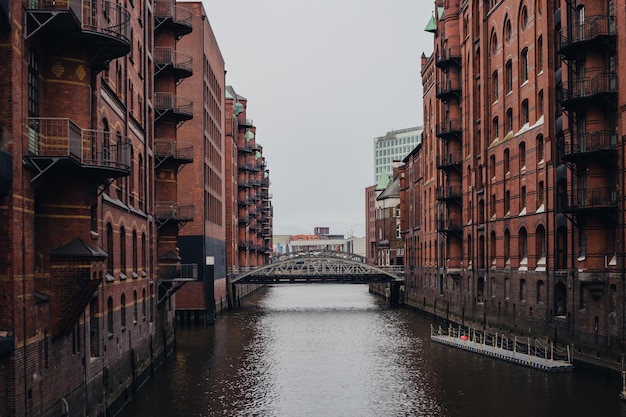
[(449, 57), (175, 18), (449, 162), (55, 146), (449, 194), (450, 129), (171, 211), (178, 272), (589, 199), (596, 32), (447, 226), (168, 61), (171, 277), (577, 147), (102, 28), (167, 106), (178, 153), (600, 89), (449, 89)]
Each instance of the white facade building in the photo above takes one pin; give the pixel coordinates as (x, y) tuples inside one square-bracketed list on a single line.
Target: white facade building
[(394, 146)]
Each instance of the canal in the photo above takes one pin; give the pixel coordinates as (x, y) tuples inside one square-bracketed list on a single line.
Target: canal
[(325, 350)]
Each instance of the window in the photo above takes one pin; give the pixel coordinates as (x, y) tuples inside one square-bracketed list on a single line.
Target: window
[(522, 156), (509, 120), (494, 44), (524, 18), (110, 316), (524, 65), (540, 192), (135, 307), (496, 130), (524, 116), (522, 289), (540, 291), (522, 198), (109, 249), (507, 161), (492, 166), (494, 86), (123, 312), (540, 148), (523, 249), (540, 103), (509, 75), (122, 253)]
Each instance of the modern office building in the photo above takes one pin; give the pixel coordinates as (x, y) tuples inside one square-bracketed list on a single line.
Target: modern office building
[(394, 146), (512, 212)]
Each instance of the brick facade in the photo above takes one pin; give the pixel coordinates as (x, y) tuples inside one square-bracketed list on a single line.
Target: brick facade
[(84, 314), (510, 209)]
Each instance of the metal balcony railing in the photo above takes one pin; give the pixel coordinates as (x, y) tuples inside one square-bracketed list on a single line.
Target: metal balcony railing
[(448, 56), (178, 17), (99, 17), (449, 192), (448, 128), (59, 137), (589, 198), (178, 272), (169, 57), (180, 107), (588, 142), (593, 28), (171, 148), (583, 88), (451, 160), (171, 210), (448, 88)]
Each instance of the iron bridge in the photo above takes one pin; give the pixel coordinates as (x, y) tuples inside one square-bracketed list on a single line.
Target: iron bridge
[(323, 267)]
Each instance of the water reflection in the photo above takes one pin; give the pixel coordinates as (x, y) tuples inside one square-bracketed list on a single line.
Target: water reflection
[(334, 350)]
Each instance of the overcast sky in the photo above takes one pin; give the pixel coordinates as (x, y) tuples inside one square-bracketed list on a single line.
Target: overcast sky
[(323, 79)]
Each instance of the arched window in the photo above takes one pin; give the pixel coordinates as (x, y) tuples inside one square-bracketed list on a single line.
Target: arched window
[(523, 63), (135, 256), (122, 253), (508, 72), (522, 247), (109, 249), (509, 120), (522, 289), (524, 113), (540, 292), (135, 307), (110, 316), (123, 312)]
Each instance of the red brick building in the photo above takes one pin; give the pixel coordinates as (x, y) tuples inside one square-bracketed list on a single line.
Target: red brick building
[(511, 209), (88, 201), (201, 184), (249, 213)]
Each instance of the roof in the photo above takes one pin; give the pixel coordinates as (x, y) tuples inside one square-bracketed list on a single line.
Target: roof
[(392, 191)]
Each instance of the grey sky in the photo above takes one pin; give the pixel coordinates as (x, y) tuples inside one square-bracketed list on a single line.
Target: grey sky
[(322, 80)]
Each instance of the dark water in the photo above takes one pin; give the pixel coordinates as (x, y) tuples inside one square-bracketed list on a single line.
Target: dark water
[(335, 350)]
